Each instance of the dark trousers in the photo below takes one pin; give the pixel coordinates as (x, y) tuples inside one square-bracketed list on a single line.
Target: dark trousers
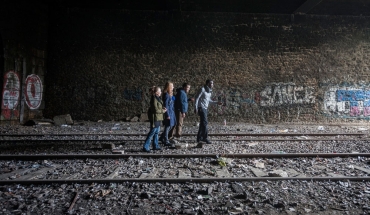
[(203, 129)]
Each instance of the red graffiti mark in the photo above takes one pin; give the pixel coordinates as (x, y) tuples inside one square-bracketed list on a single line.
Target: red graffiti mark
[(257, 97), (33, 91), (10, 93)]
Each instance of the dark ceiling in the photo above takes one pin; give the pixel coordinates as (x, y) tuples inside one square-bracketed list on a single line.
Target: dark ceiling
[(318, 7)]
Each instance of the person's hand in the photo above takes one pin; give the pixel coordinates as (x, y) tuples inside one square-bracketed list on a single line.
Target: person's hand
[(183, 115), (219, 103), (192, 99), (168, 117), (164, 110)]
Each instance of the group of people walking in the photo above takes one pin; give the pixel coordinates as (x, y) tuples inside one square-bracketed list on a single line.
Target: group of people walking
[(171, 110)]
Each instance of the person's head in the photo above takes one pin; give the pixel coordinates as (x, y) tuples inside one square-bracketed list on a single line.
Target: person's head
[(209, 83), (186, 87), (156, 91), (168, 88)]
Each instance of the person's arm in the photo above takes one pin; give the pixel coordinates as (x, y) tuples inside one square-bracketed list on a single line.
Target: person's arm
[(197, 97)]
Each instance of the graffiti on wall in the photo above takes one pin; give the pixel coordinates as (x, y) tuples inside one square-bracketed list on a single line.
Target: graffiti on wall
[(33, 91), (11, 92), (277, 94), (133, 94), (347, 102)]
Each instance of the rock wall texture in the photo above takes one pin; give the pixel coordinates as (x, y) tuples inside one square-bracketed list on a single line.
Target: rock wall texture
[(266, 68)]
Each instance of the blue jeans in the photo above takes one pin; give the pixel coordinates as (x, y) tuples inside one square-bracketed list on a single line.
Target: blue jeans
[(203, 130), (164, 136), (153, 132)]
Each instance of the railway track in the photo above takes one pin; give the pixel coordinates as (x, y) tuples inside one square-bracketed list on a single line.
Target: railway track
[(194, 168), (187, 135)]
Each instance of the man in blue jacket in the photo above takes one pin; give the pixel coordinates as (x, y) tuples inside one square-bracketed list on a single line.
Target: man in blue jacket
[(181, 109)]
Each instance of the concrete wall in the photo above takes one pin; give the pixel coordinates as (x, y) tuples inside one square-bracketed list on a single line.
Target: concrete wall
[(266, 68), (23, 29)]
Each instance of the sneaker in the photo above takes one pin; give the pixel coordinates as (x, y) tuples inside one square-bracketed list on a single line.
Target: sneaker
[(200, 145), (147, 151), (208, 142), (157, 149)]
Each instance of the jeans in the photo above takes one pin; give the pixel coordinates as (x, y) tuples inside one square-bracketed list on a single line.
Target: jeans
[(203, 130), (164, 136), (153, 132)]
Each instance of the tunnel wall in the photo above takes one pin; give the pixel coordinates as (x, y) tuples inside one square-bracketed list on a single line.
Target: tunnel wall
[(23, 34), (266, 68)]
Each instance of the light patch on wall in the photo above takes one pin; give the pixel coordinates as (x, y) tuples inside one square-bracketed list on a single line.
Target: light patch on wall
[(277, 94), (347, 101), (11, 91), (33, 91)]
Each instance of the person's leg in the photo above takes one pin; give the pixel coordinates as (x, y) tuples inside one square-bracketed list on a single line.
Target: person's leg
[(205, 124), (149, 138), (201, 130), (155, 141), (180, 122), (165, 135), (171, 133)]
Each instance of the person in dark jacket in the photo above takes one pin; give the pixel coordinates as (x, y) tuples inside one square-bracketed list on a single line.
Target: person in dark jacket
[(169, 120), (155, 114), (181, 109)]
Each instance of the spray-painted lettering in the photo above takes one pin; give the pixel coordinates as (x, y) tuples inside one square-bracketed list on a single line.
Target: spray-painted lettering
[(347, 102), (277, 94), (11, 89)]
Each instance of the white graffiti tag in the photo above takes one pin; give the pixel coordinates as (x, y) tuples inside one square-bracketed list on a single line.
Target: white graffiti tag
[(276, 94), (11, 90)]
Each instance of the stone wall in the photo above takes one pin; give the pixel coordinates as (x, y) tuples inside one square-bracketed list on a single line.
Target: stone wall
[(266, 68)]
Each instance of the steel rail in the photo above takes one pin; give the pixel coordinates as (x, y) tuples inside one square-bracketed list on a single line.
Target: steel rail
[(179, 180), (215, 134), (149, 155), (187, 140)]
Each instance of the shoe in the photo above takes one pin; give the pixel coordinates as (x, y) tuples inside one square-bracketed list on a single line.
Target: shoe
[(167, 144), (157, 149), (147, 151), (208, 142)]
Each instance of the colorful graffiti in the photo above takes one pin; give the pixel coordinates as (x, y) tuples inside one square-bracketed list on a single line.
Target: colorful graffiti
[(33, 91), (351, 102), (11, 92), (233, 101), (277, 94)]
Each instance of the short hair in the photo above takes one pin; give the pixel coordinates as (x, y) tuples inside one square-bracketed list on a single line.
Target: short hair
[(208, 81), (184, 85)]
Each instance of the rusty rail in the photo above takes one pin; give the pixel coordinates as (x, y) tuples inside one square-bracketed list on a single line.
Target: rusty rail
[(188, 140), (216, 134), (180, 180), (146, 155)]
